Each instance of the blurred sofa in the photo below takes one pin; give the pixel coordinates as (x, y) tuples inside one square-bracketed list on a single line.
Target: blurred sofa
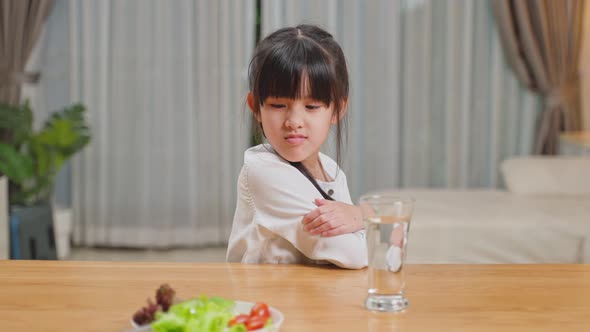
[(543, 216)]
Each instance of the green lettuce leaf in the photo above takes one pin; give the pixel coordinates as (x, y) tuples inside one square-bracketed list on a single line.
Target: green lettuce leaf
[(238, 328), (196, 315)]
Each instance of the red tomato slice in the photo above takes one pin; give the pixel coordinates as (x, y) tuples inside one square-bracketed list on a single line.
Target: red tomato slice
[(261, 310), (239, 319), (255, 323)]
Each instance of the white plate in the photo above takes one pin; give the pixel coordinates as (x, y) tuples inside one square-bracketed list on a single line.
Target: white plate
[(241, 307)]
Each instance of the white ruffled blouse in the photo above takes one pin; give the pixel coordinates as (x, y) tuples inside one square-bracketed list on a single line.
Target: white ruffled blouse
[(273, 197)]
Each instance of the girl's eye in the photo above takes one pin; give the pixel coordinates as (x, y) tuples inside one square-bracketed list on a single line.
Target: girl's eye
[(277, 105), (312, 107)]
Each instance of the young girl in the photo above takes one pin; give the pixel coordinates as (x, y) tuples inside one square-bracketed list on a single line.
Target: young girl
[(293, 201)]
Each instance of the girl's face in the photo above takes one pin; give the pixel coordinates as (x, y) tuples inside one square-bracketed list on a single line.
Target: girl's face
[(296, 128)]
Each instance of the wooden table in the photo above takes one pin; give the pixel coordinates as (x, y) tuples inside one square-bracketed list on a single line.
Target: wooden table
[(102, 296)]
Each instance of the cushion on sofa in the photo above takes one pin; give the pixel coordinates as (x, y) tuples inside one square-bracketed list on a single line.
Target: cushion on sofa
[(547, 175)]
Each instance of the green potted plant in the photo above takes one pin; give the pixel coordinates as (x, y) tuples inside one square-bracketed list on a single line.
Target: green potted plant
[(31, 160)]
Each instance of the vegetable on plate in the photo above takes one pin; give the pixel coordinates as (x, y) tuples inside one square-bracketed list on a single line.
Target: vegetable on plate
[(204, 314)]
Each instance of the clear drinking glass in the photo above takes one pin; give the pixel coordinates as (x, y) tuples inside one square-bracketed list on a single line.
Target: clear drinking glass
[(387, 223)]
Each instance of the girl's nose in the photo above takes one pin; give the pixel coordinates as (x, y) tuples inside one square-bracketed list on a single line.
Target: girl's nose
[(294, 119)]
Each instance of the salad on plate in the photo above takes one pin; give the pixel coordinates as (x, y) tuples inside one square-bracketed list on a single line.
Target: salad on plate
[(205, 314)]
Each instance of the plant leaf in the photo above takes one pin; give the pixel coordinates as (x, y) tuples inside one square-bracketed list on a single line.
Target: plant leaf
[(17, 121), (42, 156), (16, 166), (31, 160), (66, 130)]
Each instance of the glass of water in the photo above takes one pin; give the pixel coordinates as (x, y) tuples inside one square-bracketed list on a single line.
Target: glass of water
[(387, 223)]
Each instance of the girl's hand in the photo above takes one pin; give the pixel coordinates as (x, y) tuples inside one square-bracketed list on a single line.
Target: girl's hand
[(333, 218)]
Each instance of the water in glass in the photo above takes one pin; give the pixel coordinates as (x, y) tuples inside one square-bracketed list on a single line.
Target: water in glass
[(386, 243)]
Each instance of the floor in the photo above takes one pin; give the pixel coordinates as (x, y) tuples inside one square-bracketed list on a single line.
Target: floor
[(172, 255)]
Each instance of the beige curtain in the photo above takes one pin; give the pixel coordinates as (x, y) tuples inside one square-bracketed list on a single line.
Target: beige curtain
[(164, 83), (20, 26), (542, 41)]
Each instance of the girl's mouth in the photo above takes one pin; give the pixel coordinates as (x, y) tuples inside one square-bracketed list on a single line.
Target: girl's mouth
[(295, 139)]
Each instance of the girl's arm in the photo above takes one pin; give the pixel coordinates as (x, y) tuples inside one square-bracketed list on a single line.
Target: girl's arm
[(333, 218), (282, 196)]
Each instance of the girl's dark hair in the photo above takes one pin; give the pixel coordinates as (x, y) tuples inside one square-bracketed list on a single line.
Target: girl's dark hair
[(290, 55)]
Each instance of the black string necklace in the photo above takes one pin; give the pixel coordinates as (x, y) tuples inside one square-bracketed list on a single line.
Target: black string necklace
[(304, 171)]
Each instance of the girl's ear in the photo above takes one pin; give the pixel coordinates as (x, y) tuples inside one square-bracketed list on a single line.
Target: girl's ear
[(250, 101), (335, 118)]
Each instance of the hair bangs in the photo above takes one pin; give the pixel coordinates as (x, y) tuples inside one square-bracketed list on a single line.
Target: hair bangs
[(299, 69)]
